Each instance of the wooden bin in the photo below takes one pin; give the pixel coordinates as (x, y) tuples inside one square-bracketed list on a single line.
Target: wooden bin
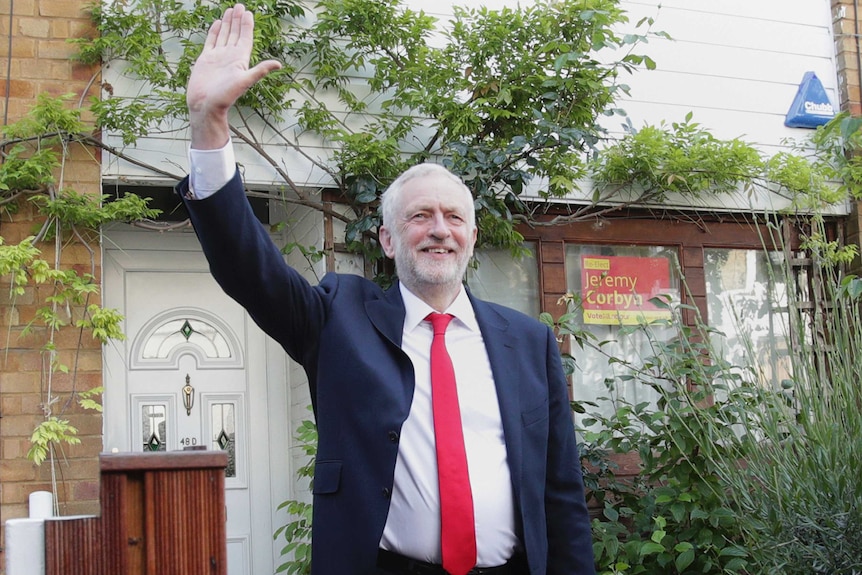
[(161, 514)]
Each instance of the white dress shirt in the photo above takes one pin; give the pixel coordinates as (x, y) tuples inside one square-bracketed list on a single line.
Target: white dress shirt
[(413, 523), (210, 170)]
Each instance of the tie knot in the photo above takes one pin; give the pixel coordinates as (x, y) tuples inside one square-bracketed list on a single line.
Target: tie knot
[(439, 321)]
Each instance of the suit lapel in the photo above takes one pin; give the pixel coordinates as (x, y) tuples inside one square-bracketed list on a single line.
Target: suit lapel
[(502, 346), (387, 314)]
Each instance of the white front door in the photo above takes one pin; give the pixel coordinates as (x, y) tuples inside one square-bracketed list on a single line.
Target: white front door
[(195, 373)]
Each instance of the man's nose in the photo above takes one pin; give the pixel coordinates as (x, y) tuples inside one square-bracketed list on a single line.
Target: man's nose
[(439, 226)]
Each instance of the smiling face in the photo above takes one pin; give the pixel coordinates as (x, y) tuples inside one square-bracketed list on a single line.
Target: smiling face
[(431, 235)]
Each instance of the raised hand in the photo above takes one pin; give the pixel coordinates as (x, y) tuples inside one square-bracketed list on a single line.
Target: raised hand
[(221, 75)]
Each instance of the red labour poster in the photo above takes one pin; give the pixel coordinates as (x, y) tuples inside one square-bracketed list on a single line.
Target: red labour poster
[(617, 289)]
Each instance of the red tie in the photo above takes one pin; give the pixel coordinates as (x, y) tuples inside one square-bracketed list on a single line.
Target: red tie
[(457, 526)]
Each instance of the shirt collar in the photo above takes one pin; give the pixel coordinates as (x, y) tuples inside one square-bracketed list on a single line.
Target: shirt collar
[(417, 310)]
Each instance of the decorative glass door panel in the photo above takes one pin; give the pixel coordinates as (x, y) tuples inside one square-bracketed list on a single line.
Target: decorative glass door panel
[(154, 419), (224, 426)]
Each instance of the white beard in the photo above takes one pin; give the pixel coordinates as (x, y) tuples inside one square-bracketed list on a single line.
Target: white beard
[(415, 270)]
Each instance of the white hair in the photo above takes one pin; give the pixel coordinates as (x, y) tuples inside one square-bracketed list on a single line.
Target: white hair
[(390, 199)]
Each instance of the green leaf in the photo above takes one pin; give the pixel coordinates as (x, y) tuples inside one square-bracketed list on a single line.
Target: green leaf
[(684, 559), (733, 551), (650, 548)]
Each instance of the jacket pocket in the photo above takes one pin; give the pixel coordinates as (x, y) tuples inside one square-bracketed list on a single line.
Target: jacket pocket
[(327, 477), (535, 415)]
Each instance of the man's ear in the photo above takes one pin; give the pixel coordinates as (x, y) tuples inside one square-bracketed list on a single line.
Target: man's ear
[(473, 240), (386, 242)]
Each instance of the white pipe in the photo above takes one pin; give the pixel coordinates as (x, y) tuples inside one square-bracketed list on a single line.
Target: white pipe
[(41, 505), (25, 538), (25, 547)]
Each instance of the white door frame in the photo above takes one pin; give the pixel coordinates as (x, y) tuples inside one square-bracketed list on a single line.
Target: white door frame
[(127, 249)]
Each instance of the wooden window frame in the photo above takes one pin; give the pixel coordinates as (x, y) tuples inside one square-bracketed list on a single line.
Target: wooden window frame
[(690, 234)]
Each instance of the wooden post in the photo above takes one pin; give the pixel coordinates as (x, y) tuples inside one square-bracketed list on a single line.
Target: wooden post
[(162, 514)]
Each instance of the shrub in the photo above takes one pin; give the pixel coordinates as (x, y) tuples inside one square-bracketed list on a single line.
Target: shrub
[(670, 517), (736, 475)]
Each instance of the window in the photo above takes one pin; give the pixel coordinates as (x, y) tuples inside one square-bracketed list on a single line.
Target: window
[(507, 281), (612, 306), (747, 302), (717, 264)]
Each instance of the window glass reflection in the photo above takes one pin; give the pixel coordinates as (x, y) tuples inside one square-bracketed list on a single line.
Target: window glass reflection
[(747, 299), (502, 279)]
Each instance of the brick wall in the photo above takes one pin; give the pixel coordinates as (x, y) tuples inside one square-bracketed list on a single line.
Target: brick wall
[(40, 62), (846, 29), (848, 52)]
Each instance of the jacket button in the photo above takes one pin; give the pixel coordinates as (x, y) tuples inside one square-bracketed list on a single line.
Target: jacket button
[(393, 436), (387, 493)]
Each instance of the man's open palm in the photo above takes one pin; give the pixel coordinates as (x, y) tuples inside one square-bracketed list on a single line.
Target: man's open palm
[(221, 75)]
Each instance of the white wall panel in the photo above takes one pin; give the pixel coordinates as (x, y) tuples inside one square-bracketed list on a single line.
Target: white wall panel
[(800, 11), (751, 127), (729, 61), (740, 95), (735, 64)]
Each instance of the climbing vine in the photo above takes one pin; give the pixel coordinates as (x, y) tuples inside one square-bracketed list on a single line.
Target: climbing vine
[(35, 153)]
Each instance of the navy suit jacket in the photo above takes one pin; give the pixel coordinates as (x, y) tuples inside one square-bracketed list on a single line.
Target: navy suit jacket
[(346, 332)]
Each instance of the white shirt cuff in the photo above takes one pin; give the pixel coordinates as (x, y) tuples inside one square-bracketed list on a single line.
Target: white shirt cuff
[(210, 170)]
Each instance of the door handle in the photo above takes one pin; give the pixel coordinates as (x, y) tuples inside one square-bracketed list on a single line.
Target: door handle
[(188, 395)]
